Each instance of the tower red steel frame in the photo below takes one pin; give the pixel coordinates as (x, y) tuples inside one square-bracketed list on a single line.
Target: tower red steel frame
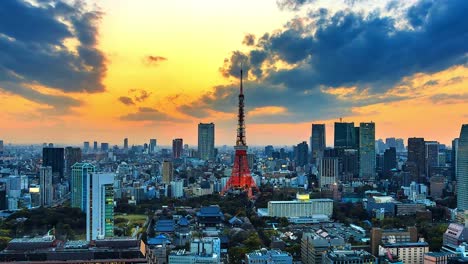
[(241, 179)]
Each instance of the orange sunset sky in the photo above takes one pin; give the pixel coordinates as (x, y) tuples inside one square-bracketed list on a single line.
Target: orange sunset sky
[(74, 71)]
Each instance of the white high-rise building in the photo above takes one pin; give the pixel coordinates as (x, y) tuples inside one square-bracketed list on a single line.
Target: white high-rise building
[(46, 187), (100, 206), (177, 188), (462, 169)]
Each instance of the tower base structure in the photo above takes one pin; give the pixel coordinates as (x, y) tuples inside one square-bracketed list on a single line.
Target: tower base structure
[(241, 179)]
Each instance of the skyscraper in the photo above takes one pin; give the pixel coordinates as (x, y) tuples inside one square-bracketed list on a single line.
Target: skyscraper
[(72, 156), (390, 161), (46, 187), (391, 142), (79, 178), (55, 158), (345, 135), (302, 154), (317, 142), (95, 146), (177, 148), (1, 146), (125, 143), (462, 169), (454, 159), (367, 150), (85, 147), (416, 159), (104, 146), (206, 141), (152, 146), (431, 156), (328, 171), (167, 171), (100, 206)]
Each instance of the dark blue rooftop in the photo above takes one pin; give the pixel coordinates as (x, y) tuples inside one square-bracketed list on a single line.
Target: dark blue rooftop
[(164, 226)]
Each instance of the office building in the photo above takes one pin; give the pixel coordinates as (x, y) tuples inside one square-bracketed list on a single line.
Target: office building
[(3, 196), (206, 141), (167, 171), (400, 145), (55, 158), (454, 236), (152, 146), (104, 147), (317, 142), (72, 156), (390, 161), (269, 151), (462, 169), (416, 156), (99, 206), (313, 246), (391, 142), (95, 146), (177, 188), (438, 257), (48, 249), (328, 171), (177, 148), (125, 144), (264, 256), (431, 156), (85, 147), (380, 236), (454, 159), (302, 154), (345, 135), (407, 252), (46, 187), (348, 257), (1, 147), (303, 206), (367, 161), (78, 184)]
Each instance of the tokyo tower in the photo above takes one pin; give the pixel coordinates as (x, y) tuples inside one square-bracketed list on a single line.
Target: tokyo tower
[(241, 179)]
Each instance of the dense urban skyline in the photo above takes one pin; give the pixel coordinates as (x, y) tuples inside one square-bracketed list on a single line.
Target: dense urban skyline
[(119, 69)]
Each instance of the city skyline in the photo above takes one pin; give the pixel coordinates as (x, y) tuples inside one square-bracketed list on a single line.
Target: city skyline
[(126, 69)]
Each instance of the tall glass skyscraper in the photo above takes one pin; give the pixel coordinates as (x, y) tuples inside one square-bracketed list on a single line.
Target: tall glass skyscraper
[(79, 178), (367, 150), (206, 139), (100, 206), (462, 169), (345, 135), (317, 141)]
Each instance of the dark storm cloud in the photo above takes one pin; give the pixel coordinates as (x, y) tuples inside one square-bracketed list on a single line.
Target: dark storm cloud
[(126, 100), (33, 50), (344, 49), (32, 46), (249, 40), (149, 114), (154, 60), (57, 104)]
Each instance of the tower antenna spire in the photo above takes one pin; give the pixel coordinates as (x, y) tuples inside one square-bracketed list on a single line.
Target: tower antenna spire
[(241, 179)]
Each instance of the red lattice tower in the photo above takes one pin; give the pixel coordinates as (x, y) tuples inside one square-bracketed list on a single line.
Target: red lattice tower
[(241, 179)]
